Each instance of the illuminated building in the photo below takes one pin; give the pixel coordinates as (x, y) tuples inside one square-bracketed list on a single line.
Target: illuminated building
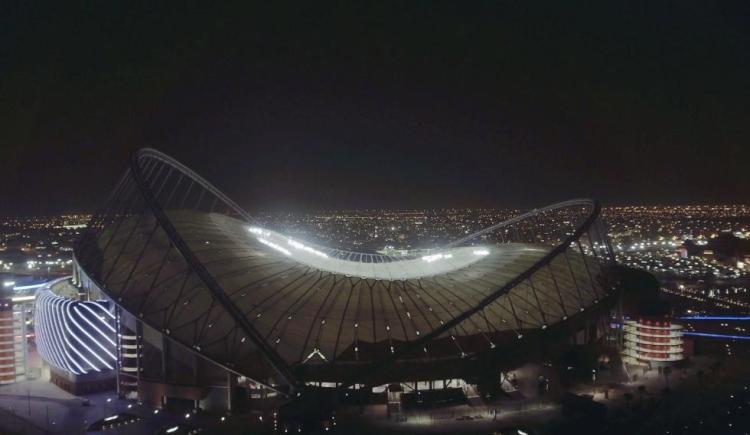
[(77, 340), (13, 346), (652, 341), (207, 298)]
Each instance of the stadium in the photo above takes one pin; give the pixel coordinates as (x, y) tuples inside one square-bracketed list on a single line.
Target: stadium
[(206, 301)]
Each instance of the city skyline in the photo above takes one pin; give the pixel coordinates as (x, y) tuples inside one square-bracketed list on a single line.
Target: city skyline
[(568, 309), (483, 217)]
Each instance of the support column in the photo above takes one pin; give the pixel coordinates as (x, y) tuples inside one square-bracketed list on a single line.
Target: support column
[(231, 387)]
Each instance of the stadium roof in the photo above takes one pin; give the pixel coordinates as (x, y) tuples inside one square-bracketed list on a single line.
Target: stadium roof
[(175, 252)]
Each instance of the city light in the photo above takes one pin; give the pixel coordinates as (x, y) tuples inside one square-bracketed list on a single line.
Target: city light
[(738, 318), (28, 287), (710, 335), (23, 298)]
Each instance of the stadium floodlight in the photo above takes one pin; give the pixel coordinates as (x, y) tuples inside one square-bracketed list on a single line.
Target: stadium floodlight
[(274, 246), (304, 247), (435, 257)]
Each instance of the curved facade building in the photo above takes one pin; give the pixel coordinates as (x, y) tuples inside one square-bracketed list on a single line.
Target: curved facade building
[(186, 262), (653, 341), (77, 337)]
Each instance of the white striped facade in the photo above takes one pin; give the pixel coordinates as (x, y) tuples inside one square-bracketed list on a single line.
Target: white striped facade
[(74, 336)]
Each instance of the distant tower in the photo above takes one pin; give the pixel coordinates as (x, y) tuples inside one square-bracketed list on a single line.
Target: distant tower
[(652, 341)]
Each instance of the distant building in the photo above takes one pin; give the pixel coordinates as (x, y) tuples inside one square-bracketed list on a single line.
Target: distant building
[(653, 341), (13, 348)]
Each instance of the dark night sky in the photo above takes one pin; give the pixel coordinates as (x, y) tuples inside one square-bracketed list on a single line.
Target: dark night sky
[(417, 104)]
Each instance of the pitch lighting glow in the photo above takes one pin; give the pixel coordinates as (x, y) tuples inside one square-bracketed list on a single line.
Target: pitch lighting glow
[(303, 247), (436, 257), (259, 231), (378, 266), (274, 246), (9, 283)]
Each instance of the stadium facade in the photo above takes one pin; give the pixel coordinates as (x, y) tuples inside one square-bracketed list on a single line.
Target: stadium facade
[(76, 338), (206, 300)]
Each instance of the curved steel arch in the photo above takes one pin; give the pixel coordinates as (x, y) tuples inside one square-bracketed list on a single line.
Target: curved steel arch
[(144, 184), (589, 221), (192, 260), (151, 153)]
